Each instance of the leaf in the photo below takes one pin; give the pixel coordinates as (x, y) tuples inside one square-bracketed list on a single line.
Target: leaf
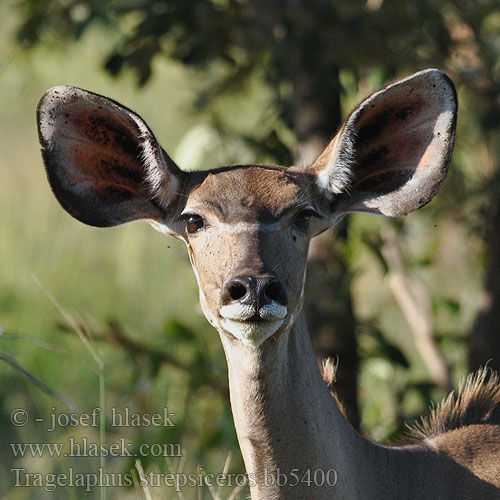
[(200, 370), (374, 247), (380, 347), (448, 306), (393, 354), (37, 382), (175, 332)]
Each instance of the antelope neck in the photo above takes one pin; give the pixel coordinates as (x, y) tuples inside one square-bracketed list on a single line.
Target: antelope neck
[(287, 421)]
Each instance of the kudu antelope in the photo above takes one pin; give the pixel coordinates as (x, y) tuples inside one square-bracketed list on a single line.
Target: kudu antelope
[(247, 229)]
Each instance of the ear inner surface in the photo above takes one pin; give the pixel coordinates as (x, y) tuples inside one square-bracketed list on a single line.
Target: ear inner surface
[(102, 161), (392, 154)]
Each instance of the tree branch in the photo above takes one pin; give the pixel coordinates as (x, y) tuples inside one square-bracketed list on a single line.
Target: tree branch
[(415, 305), (115, 335)]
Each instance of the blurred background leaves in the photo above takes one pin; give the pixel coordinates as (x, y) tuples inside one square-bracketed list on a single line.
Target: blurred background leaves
[(407, 306)]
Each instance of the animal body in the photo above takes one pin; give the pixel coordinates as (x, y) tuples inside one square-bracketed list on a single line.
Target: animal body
[(247, 229)]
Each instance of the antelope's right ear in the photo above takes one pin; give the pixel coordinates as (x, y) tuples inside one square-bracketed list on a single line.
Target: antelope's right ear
[(103, 163), (392, 153)]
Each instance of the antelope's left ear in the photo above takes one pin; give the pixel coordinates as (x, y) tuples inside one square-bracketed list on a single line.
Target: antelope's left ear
[(392, 153)]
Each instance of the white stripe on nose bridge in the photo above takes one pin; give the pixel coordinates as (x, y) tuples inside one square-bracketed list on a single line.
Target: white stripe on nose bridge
[(242, 227)]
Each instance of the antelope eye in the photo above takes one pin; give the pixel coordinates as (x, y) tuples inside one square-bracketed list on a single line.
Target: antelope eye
[(193, 223), (302, 219)]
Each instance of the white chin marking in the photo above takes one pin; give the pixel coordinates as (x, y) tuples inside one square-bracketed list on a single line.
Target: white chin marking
[(251, 333)]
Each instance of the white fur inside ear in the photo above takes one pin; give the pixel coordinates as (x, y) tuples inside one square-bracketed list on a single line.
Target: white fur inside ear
[(336, 177), (162, 228), (161, 183)]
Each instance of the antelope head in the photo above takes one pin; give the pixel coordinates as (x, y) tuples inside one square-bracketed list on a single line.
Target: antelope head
[(247, 228)]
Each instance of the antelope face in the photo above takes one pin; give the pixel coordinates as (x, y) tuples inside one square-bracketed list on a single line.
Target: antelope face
[(247, 228)]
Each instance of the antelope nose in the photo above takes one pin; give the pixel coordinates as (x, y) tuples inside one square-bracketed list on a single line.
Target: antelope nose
[(254, 291)]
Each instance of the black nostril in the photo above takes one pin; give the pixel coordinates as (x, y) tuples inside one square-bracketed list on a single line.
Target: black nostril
[(240, 288), (237, 291), (273, 290), (255, 291)]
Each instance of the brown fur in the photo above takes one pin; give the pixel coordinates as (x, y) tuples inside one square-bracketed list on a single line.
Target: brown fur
[(390, 157), (476, 402)]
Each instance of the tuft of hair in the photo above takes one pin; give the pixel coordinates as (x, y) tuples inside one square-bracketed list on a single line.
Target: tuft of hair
[(329, 373), (476, 402)]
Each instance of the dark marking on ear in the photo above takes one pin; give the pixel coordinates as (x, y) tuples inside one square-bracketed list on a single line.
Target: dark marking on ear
[(116, 193), (403, 113), (390, 117), (385, 182), (102, 161), (373, 158), (392, 154)]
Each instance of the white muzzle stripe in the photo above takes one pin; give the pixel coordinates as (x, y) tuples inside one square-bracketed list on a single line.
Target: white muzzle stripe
[(243, 312), (252, 333)]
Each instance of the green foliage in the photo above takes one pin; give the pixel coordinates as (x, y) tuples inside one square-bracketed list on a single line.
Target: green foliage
[(292, 44), (226, 81)]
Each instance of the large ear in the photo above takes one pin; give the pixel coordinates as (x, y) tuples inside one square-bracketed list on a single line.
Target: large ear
[(392, 153), (102, 161)]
